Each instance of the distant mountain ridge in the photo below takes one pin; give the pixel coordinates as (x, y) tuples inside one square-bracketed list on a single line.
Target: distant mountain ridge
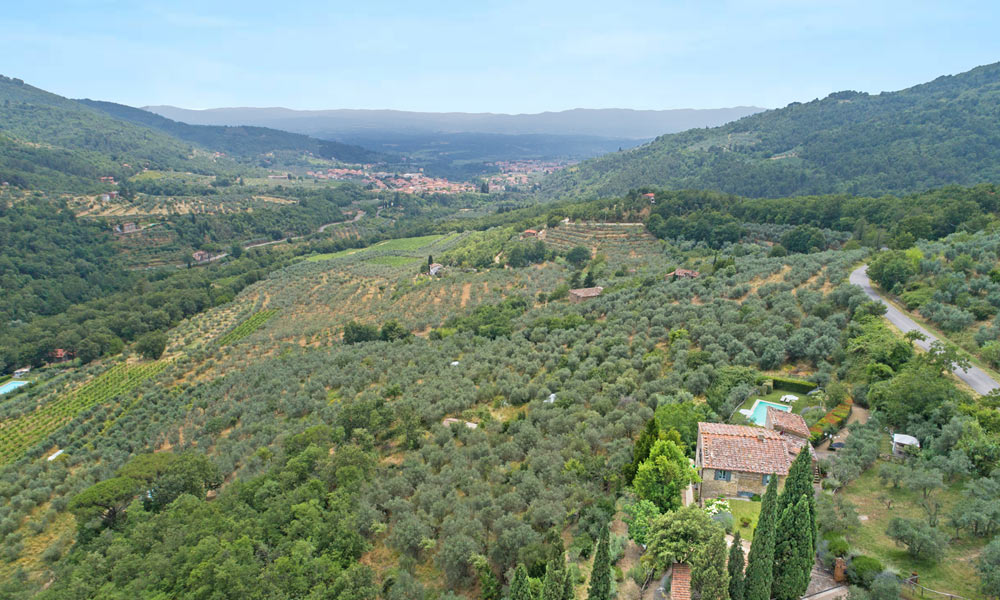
[(608, 123), (939, 133), (237, 140)]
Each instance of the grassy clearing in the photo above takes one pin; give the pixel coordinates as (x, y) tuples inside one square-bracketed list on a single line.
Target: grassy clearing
[(393, 261), (408, 244), (332, 255), (954, 573), (745, 509)]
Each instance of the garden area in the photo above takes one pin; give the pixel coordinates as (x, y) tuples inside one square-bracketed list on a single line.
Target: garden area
[(877, 504)]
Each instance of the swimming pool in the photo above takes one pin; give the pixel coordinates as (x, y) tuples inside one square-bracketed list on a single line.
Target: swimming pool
[(10, 386), (758, 414)]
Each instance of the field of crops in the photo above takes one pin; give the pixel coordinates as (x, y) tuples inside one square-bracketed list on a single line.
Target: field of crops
[(247, 327), (19, 434)]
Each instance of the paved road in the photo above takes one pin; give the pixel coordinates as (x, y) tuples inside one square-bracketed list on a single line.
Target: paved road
[(974, 376)]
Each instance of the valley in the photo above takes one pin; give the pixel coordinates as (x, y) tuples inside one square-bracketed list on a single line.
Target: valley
[(241, 362)]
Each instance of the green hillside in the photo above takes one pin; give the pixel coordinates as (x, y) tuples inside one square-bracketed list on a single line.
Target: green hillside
[(47, 141), (239, 141), (943, 132)]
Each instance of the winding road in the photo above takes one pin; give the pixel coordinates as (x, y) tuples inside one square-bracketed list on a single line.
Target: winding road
[(977, 379)]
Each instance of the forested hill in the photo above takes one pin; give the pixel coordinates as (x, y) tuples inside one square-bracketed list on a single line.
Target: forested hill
[(51, 142), (242, 141), (943, 132)]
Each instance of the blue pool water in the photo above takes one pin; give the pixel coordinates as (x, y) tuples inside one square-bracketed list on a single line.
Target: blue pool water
[(10, 386), (759, 414)]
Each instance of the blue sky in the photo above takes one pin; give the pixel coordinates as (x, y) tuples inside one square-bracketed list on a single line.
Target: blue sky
[(475, 55)]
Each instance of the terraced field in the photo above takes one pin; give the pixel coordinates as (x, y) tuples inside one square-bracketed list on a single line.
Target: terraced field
[(619, 241), (19, 434)]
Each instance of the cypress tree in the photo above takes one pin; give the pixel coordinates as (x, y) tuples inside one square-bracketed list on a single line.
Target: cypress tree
[(736, 563), (520, 588), (793, 553), (552, 586), (600, 575), (761, 560), (709, 573), (649, 435), (568, 591), (800, 483)]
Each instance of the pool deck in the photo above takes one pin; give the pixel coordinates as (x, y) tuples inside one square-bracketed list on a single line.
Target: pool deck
[(758, 402), (12, 385)]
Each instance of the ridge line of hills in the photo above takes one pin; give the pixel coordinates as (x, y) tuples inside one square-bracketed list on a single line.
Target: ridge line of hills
[(942, 132)]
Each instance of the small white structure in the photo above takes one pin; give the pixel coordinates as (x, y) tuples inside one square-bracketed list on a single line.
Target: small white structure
[(900, 441), (454, 363), (789, 398), (54, 455), (550, 399), (22, 372)]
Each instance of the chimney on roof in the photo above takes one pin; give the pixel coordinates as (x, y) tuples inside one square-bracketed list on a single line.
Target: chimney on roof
[(760, 436)]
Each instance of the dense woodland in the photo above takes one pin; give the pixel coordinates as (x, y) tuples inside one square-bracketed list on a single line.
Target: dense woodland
[(938, 133)]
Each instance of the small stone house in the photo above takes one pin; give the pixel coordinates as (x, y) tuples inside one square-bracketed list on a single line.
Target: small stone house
[(434, 269), (738, 461), (581, 294), (683, 274), (200, 256)]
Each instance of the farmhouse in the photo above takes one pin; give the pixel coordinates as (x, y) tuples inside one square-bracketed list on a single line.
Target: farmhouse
[(22, 372), (738, 460), (581, 294), (129, 228), (60, 355), (649, 196), (434, 269), (683, 274), (529, 233), (200, 256)]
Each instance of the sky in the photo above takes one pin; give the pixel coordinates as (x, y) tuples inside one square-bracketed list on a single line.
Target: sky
[(481, 56)]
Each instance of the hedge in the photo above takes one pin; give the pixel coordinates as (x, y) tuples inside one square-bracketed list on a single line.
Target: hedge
[(836, 418), (793, 385)]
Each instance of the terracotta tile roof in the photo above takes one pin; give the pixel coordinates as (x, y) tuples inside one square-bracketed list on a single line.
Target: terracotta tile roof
[(742, 448), (680, 582), (787, 421), (683, 273), (587, 292)]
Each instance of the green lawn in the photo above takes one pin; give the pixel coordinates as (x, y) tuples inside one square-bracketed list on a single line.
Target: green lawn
[(954, 573), (748, 509)]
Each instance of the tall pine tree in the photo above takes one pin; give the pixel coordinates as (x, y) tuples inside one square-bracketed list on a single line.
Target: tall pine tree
[(800, 483), (708, 573), (520, 588), (793, 553), (735, 566), (761, 559), (600, 575)]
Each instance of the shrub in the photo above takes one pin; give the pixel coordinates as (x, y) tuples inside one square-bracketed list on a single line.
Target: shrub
[(836, 544), (863, 569)]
